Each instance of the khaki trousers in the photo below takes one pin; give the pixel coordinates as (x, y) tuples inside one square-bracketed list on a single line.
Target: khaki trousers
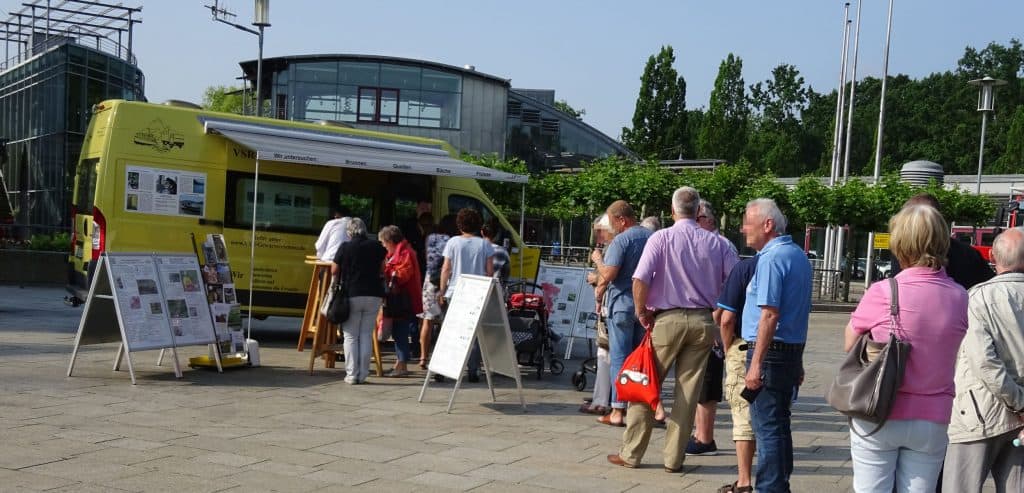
[(682, 338)]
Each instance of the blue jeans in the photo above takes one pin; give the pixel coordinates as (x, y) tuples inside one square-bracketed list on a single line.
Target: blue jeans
[(770, 416), (400, 331), (624, 335)]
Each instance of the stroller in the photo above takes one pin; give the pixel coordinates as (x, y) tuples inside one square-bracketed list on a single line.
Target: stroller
[(533, 339)]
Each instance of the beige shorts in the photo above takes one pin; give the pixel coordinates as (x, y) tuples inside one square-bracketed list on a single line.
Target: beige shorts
[(735, 375)]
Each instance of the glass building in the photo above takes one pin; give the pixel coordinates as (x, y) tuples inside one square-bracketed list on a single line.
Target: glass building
[(474, 112), (47, 89)]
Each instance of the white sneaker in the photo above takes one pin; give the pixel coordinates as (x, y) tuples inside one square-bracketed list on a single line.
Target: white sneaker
[(350, 379)]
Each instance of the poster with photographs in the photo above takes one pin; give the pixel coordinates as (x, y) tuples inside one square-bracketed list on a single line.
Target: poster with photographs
[(187, 309), (166, 192), (220, 249), (220, 323), (562, 288), (136, 288)]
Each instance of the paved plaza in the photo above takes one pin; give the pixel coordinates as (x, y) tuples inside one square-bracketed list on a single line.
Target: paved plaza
[(276, 428)]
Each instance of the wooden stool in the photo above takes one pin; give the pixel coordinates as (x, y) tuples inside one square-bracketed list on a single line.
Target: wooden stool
[(318, 286)]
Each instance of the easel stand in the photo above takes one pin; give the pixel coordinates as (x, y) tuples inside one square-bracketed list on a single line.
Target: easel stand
[(128, 304), (477, 313)]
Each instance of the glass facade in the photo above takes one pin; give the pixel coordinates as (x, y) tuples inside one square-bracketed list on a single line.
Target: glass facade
[(45, 106), (545, 138), (368, 92)]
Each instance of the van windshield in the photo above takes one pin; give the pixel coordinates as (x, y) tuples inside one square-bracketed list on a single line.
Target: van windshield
[(85, 185)]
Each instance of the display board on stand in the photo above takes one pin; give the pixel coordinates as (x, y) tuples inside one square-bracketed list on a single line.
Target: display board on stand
[(476, 313), (145, 302), (570, 301)]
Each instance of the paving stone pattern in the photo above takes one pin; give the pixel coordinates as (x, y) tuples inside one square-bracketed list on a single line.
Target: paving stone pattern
[(276, 428)]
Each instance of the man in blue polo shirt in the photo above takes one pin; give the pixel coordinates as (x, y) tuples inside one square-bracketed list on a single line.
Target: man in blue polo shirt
[(775, 318)]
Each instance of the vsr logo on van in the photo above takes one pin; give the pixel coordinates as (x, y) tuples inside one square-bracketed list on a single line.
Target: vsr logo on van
[(159, 136)]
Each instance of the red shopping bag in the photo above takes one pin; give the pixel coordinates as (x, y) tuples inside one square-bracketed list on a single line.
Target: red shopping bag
[(638, 380)]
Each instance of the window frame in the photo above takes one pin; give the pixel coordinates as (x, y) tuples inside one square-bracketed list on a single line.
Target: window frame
[(232, 181), (377, 93)]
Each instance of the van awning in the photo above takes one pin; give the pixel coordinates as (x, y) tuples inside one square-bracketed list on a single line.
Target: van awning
[(350, 151)]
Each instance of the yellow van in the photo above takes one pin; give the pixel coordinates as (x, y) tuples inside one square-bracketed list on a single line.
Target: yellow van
[(150, 176)]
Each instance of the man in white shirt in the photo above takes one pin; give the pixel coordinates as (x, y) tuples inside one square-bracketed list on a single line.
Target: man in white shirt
[(333, 235)]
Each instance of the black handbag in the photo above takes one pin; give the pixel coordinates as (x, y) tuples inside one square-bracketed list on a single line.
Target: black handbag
[(339, 309), (872, 372), (397, 304)]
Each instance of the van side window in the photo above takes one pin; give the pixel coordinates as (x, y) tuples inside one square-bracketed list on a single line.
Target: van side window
[(286, 205), (85, 186), (456, 202)]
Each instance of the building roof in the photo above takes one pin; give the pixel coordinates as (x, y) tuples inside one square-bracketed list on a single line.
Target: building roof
[(276, 63), (580, 124)]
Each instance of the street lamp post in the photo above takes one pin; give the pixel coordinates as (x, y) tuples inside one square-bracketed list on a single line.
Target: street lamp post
[(986, 105), (260, 19)]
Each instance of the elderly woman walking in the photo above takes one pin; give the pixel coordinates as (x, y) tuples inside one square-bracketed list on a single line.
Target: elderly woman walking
[(906, 454)]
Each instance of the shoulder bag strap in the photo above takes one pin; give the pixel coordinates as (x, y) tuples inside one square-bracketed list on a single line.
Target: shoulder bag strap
[(894, 327)]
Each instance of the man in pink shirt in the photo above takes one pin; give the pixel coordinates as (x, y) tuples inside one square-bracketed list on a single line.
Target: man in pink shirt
[(675, 286)]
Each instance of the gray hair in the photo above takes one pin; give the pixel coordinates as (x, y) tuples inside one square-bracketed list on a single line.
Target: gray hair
[(706, 209), (356, 227), (603, 223), (651, 222), (768, 209), (685, 201), (390, 234), (1008, 250)]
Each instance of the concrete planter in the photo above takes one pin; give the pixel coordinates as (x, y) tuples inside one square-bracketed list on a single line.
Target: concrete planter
[(33, 267)]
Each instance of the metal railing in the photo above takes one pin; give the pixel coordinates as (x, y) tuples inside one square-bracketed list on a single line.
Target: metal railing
[(573, 256)]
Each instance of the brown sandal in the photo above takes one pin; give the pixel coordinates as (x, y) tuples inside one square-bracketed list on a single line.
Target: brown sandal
[(607, 420), (732, 488)]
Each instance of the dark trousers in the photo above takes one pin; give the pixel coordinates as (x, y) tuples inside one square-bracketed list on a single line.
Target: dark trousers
[(770, 415)]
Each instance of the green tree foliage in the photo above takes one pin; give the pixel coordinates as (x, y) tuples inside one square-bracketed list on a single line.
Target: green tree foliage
[(778, 103), (223, 98), (1013, 158), (723, 132), (563, 106), (659, 120)]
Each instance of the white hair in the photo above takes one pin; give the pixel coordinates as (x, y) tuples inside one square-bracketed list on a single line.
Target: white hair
[(651, 222), (1008, 249), (708, 210), (356, 227), (768, 209), (685, 201)]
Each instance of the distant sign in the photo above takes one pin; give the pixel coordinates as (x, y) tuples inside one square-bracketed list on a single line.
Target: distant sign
[(881, 241)]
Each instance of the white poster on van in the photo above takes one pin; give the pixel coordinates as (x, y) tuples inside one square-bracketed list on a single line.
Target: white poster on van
[(163, 191)]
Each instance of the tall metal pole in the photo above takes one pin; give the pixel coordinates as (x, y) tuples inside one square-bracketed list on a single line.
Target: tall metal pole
[(981, 150), (878, 140), (831, 261), (853, 86), (259, 77), (841, 237)]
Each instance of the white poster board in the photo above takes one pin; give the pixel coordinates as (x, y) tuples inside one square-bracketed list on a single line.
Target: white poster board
[(164, 191), (137, 289), (185, 296), (563, 292), (477, 312)]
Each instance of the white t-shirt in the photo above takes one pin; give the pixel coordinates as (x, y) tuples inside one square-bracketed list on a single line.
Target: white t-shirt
[(467, 256), (331, 237)]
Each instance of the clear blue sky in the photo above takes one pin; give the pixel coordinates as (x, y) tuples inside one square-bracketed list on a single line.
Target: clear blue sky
[(592, 52)]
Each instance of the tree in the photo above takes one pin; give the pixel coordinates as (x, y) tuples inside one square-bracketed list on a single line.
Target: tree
[(723, 133), (1013, 158), (563, 106), (659, 120), (778, 102), (224, 99)]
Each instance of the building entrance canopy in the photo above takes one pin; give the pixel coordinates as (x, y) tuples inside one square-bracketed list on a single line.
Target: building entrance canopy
[(320, 148)]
